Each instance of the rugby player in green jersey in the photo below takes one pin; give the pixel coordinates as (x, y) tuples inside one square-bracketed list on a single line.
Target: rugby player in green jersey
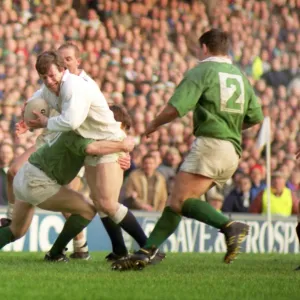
[(42, 182), (224, 103)]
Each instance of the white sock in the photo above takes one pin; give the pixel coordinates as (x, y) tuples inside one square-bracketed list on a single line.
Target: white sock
[(10, 210), (80, 245), (120, 214)]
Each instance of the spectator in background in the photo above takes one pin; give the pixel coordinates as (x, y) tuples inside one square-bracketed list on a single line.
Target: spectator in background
[(276, 76), (6, 157), (238, 200), (8, 113), (283, 200), (170, 166), (145, 188), (294, 182), (215, 199), (258, 184)]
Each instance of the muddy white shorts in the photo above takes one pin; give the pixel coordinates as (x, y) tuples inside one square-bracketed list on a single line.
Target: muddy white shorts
[(81, 172), (213, 158), (33, 186), (108, 158)]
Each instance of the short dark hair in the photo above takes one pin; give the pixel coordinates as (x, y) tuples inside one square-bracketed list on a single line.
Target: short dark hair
[(147, 156), (216, 40), (48, 58), (70, 45), (121, 115)]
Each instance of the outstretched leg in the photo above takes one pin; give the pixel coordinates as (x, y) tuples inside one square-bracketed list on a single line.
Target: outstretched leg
[(81, 250), (82, 212)]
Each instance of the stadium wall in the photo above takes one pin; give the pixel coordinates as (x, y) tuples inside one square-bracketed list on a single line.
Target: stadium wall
[(191, 236)]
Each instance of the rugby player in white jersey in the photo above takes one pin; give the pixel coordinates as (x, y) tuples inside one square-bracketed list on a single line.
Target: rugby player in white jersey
[(84, 109), (71, 56)]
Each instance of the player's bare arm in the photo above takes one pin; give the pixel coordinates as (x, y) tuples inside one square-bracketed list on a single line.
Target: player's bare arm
[(168, 114), (247, 125), (107, 147)]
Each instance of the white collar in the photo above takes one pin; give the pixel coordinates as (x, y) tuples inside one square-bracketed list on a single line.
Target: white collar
[(218, 59), (82, 73)]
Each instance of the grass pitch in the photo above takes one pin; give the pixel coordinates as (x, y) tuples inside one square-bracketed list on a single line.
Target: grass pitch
[(181, 276)]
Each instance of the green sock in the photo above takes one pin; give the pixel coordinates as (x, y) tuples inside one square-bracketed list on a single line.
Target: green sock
[(164, 227), (74, 225), (202, 211), (6, 236)]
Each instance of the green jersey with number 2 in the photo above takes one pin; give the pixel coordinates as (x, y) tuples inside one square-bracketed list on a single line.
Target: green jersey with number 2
[(221, 98)]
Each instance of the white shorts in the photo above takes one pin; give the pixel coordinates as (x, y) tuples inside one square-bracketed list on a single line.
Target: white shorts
[(81, 172), (108, 158), (33, 186), (213, 158)]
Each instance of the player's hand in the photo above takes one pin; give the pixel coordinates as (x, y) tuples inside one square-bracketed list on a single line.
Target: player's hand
[(40, 122), (124, 162), (128, 144), (21, 128), (298, 154), (150, 129)]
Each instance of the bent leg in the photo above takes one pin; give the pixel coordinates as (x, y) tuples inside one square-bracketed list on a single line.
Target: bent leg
[(113, 230), (82, 212), (106, 190), (69, 201), (185, 195), (79, 241)]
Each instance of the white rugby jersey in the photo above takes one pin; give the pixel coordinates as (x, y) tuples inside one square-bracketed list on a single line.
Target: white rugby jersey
[(82, 107)]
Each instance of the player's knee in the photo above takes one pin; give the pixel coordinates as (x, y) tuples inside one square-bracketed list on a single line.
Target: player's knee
[(108, 207), (176, 205), (89, 212), (66, 215)]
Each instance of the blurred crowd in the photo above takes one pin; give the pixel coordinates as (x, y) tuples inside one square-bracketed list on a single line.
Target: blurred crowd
[(137, 52)]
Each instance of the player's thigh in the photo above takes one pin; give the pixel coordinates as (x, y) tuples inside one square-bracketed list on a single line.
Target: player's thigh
[(90, 176), (22, 217), (19, 161), (188, 185), (109, 179), (69, 201)]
